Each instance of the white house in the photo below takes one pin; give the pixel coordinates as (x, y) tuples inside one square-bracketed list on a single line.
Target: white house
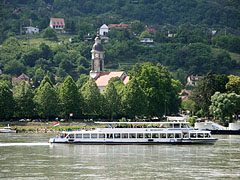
[(103, 30), (31, 30), (57, 24), (146, 40), (192, 80)]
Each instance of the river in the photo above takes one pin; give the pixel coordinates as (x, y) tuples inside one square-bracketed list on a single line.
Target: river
[(29, 156)]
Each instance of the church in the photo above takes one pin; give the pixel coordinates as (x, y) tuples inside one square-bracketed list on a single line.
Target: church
[(97, 67)]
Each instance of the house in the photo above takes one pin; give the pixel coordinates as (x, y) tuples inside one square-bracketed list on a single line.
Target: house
[(146, 40), (57, 24), (31, 30), (22, 77), (97, 69), (184, 94), (119, 26), (103, 78), (151, 30), (192, 80), (103, 30)]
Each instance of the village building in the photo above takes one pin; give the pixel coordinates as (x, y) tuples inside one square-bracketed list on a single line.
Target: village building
[(57, 24), (119, 26), (97, 69), (192, 80), (31, 30), (22, 77), (184, 94), (103, 30)]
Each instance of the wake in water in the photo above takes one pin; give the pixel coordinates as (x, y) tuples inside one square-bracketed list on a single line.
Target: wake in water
[(24, 144)]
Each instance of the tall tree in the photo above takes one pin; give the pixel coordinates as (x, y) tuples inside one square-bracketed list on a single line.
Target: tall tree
[(70, 98), (47, 101), (6, 101), (93, 99), (134, 100), (113, 101), (24, 104)]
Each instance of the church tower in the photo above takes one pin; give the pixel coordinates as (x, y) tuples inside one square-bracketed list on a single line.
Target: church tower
[(97, 58)]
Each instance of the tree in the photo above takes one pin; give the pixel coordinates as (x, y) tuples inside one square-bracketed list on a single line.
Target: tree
[(70, 98), (6, 101), (224, 104), (113, 101), (203, 92), (14, 67), (234, 84), (82, 80), (93, 99), (134, 100), (47, 101), (156, 83), (23, 98), (49, 33), (38, 76)]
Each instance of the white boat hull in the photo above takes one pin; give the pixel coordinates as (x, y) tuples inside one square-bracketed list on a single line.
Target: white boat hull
[(140, 142)]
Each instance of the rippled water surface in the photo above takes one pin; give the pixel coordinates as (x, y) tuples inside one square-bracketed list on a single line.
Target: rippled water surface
[(29, 156)]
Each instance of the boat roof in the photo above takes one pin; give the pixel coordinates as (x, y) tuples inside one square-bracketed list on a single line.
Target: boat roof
[(170, 122)]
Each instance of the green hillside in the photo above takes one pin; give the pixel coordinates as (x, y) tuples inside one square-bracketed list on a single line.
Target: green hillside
[(193, 49)]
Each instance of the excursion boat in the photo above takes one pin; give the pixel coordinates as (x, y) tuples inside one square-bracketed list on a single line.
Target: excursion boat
[(137, 133), (7, 130)]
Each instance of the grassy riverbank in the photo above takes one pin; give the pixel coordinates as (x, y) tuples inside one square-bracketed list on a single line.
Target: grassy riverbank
[(46, 127)]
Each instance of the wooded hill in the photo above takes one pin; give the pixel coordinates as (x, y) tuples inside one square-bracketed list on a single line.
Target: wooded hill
[(193, 50)]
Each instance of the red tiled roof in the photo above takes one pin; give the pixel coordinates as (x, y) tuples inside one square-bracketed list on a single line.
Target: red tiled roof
[(151, 30), (119, 26), (57, 21), (104, 77), (22, 77), (194, 77)]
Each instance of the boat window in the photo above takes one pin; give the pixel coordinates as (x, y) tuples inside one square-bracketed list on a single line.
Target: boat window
[(192, 135), (147, 135), (163, 135), (170, 135), (93, 136), (207, 135), (117, 135), (185, 135), (155, 135), (176, 125), (139, 135), (85, 136), (110, 136), (177, 135), (78, 135), (71, 136), (200, 135), (124, 135), (132, 135), (101, 135)]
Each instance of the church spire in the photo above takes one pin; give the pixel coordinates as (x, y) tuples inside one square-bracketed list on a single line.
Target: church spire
[(97, 58)]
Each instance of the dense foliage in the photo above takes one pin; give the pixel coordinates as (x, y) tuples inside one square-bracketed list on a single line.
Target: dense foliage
[(151, 92)]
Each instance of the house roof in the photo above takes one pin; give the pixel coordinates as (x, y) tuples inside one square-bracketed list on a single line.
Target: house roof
[(104, 77), (22, 77), (57, 21), (194, 78), (104, 26), (151, 30), (119, 26)]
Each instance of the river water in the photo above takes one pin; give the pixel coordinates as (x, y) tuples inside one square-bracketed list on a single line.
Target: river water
[(29, 156)]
